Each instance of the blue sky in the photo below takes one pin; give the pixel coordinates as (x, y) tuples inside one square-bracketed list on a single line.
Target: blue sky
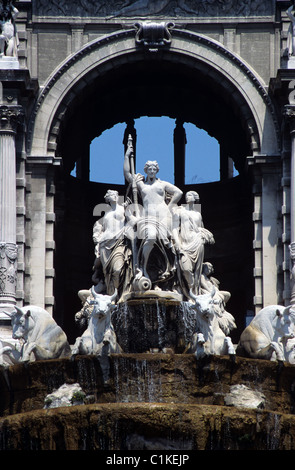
[(154, 142)]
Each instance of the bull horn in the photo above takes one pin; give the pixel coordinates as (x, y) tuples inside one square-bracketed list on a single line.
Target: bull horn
[(16, 309), (290, 307), (114, 296), (93, 292), (192, 295), (19, 310), (9, 314)]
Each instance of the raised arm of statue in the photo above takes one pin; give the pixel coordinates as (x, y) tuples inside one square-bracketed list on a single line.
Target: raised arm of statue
[(175, 193), (291, 32), (126, 167), (289, 13)]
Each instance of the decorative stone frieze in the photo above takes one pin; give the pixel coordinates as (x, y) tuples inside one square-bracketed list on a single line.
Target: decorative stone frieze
[(8, 271), (188, 8)]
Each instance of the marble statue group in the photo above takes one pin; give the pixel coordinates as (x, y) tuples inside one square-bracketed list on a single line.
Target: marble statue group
[(147, 246), (150, 242)]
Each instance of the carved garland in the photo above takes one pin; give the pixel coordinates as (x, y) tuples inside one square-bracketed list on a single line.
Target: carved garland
[(8, 257)]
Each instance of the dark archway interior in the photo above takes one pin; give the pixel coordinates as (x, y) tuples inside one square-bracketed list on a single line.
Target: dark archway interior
[(154, 86)]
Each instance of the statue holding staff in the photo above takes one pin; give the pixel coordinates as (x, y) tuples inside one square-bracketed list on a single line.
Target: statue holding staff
[(154, 224)]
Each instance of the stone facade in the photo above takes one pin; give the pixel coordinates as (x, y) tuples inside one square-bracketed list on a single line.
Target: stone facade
[(84, 66)]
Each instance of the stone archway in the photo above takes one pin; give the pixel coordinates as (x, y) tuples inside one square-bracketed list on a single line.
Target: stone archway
[(204, 54), (98, 87)]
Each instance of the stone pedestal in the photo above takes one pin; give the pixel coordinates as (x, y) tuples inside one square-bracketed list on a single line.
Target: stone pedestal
[(153, 325), (9, 63)]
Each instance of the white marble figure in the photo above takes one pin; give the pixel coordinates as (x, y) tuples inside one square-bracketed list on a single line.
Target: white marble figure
[(154, 225), (82, 317), (99, 338), (8, 36), (265, 336), (112, 249), (10, 352), (42, 337), (208, 282), (213, 325), (190, 236), (291, 32)]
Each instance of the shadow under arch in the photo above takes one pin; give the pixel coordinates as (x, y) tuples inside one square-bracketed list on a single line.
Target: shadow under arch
[(112, 80)]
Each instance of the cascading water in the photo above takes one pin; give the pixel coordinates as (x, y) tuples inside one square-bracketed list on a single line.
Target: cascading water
[(137, 380)]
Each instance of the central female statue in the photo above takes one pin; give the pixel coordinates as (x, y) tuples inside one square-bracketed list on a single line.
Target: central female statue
[(154, 224)]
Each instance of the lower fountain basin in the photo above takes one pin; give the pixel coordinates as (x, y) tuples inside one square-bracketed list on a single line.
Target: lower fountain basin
[(151, 401)]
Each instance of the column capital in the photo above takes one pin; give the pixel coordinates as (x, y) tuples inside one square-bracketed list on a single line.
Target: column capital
[(10, 118)]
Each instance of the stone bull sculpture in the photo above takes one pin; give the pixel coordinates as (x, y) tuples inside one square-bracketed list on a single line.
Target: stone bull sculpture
[(99, 338), (213, 325), (42, 337), (266, 337)]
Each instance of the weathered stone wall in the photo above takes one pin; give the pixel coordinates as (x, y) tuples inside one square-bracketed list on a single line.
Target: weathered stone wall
[(58, 29), (150, 401)]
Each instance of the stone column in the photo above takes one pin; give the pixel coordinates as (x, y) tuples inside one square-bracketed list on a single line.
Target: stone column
[(290, 114), (10, 117), (179, 139)]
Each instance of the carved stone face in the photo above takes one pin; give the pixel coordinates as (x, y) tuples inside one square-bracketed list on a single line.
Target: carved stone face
[(151, 168), (20, 325), (151, 171), (111, 196), (191, 197)]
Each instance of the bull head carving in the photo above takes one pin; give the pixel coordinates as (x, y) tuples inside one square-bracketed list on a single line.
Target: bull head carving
[(97, 296), (195, 297)]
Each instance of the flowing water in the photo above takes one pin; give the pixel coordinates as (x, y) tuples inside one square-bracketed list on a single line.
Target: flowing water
[(137, 380)]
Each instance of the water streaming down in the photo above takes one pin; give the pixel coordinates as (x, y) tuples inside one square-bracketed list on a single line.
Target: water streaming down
[(137, 380), (189, 320), (150, 325), (161, 324), (273, 435)]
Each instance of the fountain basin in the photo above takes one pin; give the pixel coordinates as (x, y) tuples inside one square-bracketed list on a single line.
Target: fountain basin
[(142, 426), (150, 401)]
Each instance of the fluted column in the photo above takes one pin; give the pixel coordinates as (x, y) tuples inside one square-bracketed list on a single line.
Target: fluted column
[(290, 114), (10, 117)]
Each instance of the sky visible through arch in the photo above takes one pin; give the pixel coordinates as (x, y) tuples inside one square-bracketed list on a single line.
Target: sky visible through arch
[(155, 142)]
